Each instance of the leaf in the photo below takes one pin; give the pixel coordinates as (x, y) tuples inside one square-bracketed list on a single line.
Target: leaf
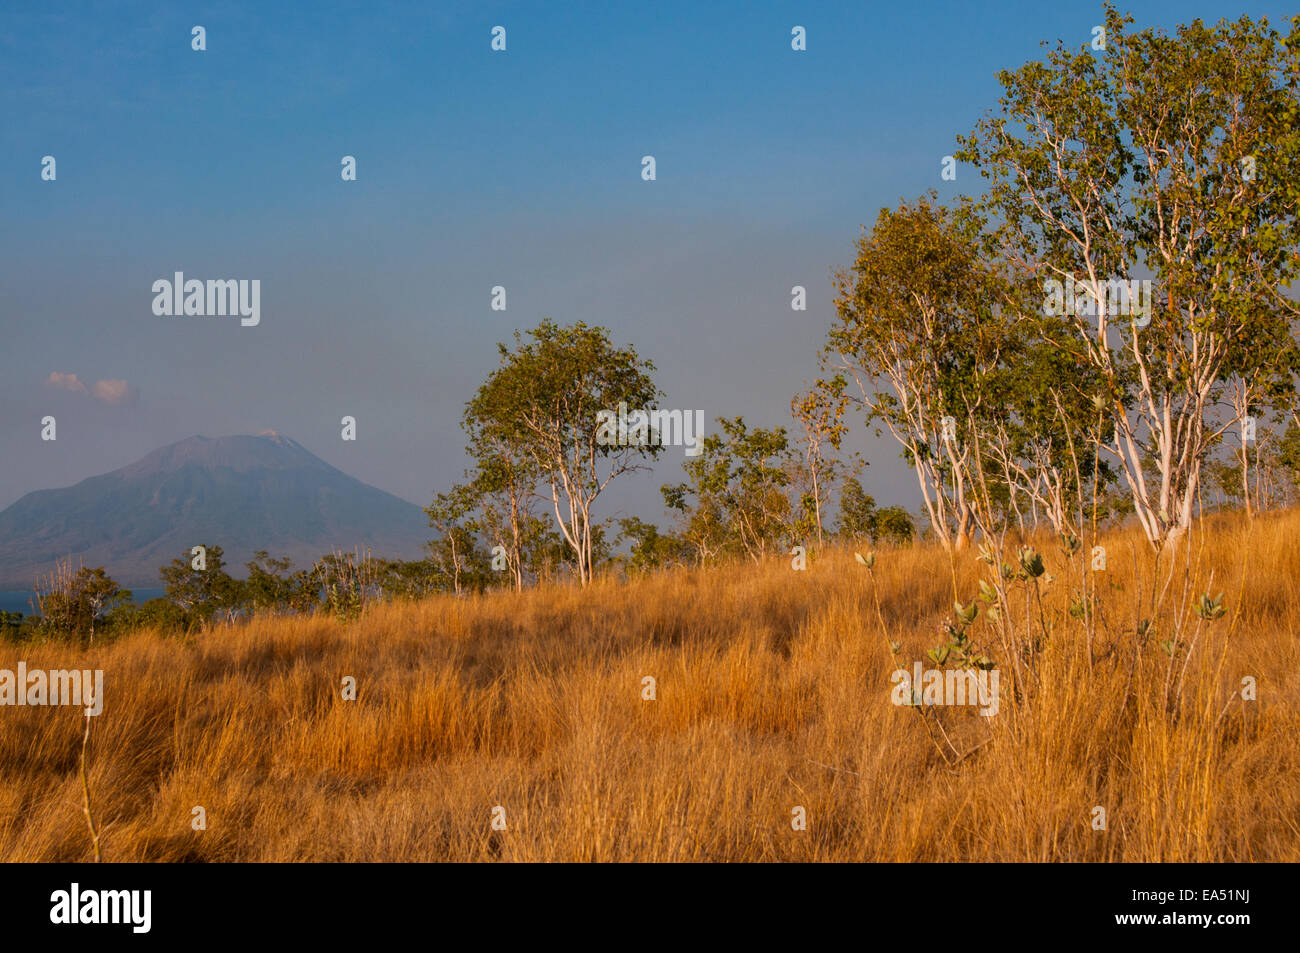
[(1031, 562), (1209, 609), (968, 613)]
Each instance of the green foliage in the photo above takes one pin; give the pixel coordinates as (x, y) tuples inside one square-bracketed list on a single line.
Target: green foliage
[(925, 328), (77, 605), (271, 587), (734, 500), (651, 547), (820, 413), (455, 552), (409, 580), (857, 516), (1209, 609), (895, 526), (348, 581), (13, 627), (1173, 153), (203, 594), (160, 614), (1289, 452), (537, 419), (960, 649), (1031, 562)]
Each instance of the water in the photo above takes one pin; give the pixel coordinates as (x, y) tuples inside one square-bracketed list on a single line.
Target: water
[(17, 600)]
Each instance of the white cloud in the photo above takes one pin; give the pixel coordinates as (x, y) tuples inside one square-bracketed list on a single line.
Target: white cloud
[(114, 392), (117, 392), (66, 381)]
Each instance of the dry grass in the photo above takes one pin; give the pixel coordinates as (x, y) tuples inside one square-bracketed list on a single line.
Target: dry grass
[(773, 691)]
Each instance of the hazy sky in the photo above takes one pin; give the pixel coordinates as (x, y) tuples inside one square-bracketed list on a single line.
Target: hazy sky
[(474, 169)]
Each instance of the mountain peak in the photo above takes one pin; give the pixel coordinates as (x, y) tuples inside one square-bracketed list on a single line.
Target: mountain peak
[(241, 452), (276, 437)]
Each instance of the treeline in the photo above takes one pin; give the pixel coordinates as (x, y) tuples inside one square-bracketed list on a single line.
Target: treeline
[(88, 606), (750, 493), (544, 451)]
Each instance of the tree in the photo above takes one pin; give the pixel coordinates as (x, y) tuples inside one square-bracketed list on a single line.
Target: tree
[(11, 626), (271, 587), (160, 614), (861, 519), (652, 548), (820, 412), (920, 330), (100, 593), (1265, 381), (894, 525), (348, 582), (858, 514), (1288, 452), (735, 498), (546, 404), (72, 604), (202, 593), (267, 587), (506, 491), (1177, 155), (450, 514), (1040, 443), (411, 579)]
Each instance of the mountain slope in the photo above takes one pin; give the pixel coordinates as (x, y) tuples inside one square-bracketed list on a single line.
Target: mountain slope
[(242, 493)]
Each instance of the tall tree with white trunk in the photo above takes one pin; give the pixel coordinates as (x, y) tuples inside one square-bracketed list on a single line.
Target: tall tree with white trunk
[(1168, 158)]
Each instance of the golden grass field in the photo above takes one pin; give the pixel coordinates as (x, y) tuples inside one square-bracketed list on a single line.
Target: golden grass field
[(772, 692)]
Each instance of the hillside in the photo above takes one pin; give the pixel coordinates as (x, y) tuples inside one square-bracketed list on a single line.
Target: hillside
[(771, 693)]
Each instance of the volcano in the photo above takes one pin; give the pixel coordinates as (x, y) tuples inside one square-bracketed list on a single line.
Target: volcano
[(242, 493)]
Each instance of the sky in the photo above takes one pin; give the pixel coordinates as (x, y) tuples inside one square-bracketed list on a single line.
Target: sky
[(474, 169)]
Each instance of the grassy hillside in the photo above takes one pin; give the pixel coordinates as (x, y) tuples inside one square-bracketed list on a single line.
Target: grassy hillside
[(773, 691)]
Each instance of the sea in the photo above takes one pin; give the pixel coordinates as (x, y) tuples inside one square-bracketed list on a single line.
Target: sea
[(21, 600)]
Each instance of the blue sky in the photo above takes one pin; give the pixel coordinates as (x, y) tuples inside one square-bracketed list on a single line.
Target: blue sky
[(475, 169)]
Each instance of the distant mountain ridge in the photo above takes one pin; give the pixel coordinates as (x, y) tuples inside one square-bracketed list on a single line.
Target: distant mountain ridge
[(242, 493)]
